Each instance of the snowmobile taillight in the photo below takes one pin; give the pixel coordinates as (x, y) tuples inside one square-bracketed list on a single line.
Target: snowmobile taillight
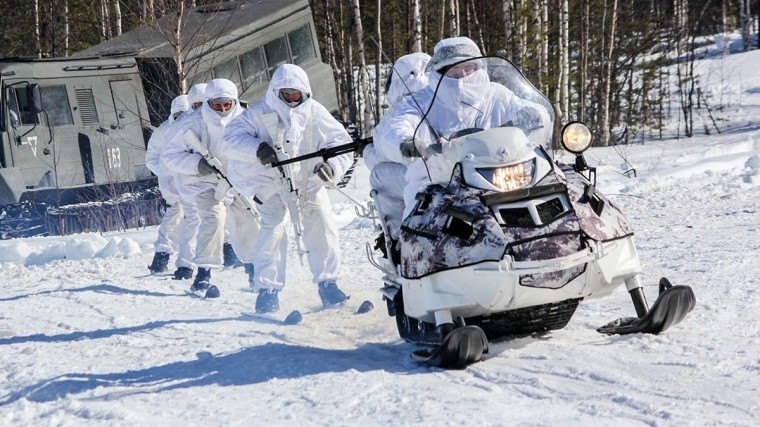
[(512, 177)]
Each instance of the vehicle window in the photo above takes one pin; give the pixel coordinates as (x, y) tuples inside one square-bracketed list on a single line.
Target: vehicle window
[(199, 78), (301, 45), (228, 70), (254, 68), (55, 101), (276, 53), (18, 104)]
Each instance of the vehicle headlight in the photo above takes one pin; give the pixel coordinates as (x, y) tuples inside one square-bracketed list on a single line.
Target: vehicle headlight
[(576, 137), (512, 177)]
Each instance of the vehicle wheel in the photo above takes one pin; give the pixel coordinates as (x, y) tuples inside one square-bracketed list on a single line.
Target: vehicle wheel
[(411, 329)]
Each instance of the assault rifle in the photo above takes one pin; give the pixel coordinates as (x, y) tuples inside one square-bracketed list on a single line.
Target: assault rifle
[(221, 173), (326, 153)]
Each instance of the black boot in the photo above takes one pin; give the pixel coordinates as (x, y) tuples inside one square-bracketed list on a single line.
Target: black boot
[(231, 259), (160, 263), (202, 279), (183, 273)]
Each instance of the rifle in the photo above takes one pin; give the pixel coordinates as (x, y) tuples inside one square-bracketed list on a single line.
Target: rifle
[(326, 153), (221, 173), (286, 184)]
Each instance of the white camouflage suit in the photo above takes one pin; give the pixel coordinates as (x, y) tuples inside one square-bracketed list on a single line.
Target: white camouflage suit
[(299, 130), (169, 229), (383, 157), (460, 103), (208, 126)]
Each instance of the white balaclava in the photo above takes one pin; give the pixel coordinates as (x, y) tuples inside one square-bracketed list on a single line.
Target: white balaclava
[(217, 120), (456, 93), (408, 76), (180, 104), (197, 94), (221, 89)]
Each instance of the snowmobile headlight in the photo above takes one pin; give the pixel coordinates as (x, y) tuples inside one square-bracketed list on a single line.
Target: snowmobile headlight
[(512, 177), (576, 137)]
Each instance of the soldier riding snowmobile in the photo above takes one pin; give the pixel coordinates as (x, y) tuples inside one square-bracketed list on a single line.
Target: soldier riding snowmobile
[(501, 240)]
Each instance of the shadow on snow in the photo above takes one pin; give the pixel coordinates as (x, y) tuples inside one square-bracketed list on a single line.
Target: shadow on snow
[(250, 365)]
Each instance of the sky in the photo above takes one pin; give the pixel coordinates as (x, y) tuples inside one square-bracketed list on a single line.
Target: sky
[(88, 338)]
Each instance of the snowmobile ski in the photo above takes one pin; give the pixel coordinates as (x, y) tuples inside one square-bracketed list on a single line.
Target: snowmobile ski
[(461, 347), (161, 275), (211, 292), (672, 305), (293, 318)]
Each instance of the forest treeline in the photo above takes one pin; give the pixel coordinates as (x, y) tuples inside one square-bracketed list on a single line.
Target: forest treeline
[(599, 61)]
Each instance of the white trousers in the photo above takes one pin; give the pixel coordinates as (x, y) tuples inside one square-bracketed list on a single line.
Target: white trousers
[(169, 229), (208, 249), (320, 240), (387, 179), (242, 229), (188, 236)]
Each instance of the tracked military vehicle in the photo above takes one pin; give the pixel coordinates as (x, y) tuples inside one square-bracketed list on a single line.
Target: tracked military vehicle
[(74, 130)]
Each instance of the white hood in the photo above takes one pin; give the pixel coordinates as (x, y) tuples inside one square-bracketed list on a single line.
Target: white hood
[(408, 76), (288, 76)]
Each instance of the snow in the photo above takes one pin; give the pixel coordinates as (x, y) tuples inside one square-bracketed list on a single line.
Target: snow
[(87, 338)]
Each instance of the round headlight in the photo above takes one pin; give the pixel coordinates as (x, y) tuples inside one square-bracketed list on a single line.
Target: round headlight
[(576, 137)]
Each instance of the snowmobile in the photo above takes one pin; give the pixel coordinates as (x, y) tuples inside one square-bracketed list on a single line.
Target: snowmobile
[(512, 243)]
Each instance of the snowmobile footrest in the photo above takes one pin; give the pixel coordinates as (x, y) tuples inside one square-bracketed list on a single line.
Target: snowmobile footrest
[(461, 347), (673, 304)]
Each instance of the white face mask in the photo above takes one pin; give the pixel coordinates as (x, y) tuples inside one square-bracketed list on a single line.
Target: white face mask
[(223, 113)]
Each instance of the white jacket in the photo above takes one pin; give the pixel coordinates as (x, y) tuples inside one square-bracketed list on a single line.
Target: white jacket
[(208, 126), (460, 104), (299, 130)]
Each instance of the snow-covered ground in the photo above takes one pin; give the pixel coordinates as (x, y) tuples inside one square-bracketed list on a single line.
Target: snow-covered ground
[(88, 338)]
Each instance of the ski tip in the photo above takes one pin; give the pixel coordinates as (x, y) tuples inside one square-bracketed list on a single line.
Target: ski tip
[(293, 318), (366, 307), (212, 292)]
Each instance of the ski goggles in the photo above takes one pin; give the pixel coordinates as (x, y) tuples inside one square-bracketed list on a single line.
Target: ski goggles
[(289, 91), (222, 103)]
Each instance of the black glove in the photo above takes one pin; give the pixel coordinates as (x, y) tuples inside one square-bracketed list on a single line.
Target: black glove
[(204, 167), (361, 144), (266, 154), (324, 171), (408, 149)]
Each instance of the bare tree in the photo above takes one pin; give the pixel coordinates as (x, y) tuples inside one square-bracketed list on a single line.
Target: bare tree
[(378, 56), (416, 27), (117, 16), (37, 41), (508, 12), (365, 124), (453, 18), (66, 28), (564, 64), (745, 22), (607, 64)]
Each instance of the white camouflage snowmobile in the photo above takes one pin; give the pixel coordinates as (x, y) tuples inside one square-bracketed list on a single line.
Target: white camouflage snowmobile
[(512, 243)]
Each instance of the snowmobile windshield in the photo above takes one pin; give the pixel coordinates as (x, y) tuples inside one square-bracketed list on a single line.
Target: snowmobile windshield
[(483, 93)]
